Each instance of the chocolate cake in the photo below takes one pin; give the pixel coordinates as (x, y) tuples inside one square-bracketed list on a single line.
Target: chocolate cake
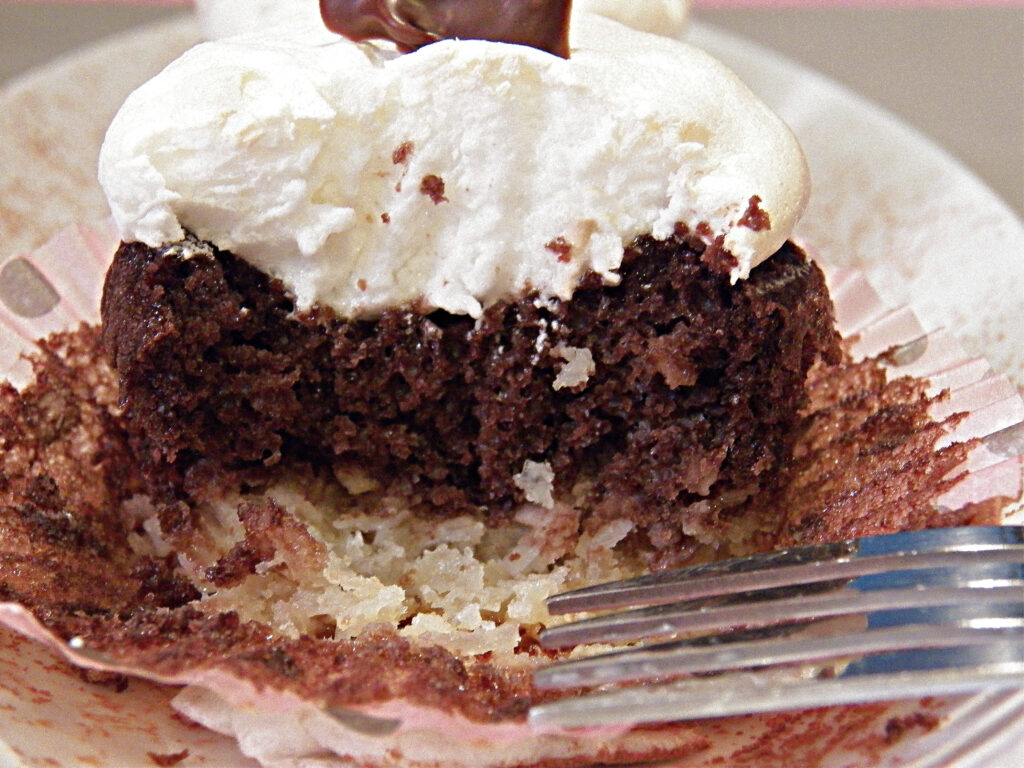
[(689, 387)]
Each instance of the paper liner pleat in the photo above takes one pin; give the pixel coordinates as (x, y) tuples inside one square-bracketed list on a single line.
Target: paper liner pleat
[(856, 304), (988, 404), (71, 265), (55, 718), (934, 354), (255, 717)]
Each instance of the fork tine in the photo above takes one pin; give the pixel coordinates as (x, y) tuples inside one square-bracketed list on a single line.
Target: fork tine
[(800, 565), (934, 612), (982, 580), (901, 675), (974, 624)]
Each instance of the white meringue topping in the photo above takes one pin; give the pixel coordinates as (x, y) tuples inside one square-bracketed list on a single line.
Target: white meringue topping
[(458, 175)]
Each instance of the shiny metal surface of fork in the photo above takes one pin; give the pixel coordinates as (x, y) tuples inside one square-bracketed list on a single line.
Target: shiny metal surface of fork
[(933, 612)]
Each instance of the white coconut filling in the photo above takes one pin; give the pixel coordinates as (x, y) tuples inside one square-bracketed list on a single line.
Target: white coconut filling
[(456, 581)]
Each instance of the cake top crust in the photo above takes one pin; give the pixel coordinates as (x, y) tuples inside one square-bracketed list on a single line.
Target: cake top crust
[(454, 176)]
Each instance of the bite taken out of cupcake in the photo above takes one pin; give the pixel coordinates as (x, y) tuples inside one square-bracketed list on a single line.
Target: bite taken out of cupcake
[(404, 337)]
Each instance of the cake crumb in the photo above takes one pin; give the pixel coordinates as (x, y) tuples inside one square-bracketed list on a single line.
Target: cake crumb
[(897, 727), (537, 482), (561, 247), (579, 367), (755, 217), (402, 152), (115, 681), (433, 187)]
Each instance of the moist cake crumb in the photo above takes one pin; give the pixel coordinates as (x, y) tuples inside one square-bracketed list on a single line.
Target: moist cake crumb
[(561, 247)]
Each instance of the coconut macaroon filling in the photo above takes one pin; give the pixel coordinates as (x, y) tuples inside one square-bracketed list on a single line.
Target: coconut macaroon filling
[(305, 557)]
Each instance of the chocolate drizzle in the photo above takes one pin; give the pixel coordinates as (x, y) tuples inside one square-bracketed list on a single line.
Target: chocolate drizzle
[(411, 24)]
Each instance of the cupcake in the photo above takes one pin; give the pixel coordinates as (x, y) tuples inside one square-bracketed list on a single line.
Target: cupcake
[(471, 314)]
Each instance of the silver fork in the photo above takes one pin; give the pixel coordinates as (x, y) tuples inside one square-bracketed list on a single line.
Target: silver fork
[(897, 616)]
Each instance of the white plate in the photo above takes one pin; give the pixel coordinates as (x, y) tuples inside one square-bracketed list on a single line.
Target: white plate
[(886, 201)]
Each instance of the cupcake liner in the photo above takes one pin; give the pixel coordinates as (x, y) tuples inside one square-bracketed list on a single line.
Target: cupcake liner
[(990, 406), (59, 716), (56, 716), (50, 711)]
